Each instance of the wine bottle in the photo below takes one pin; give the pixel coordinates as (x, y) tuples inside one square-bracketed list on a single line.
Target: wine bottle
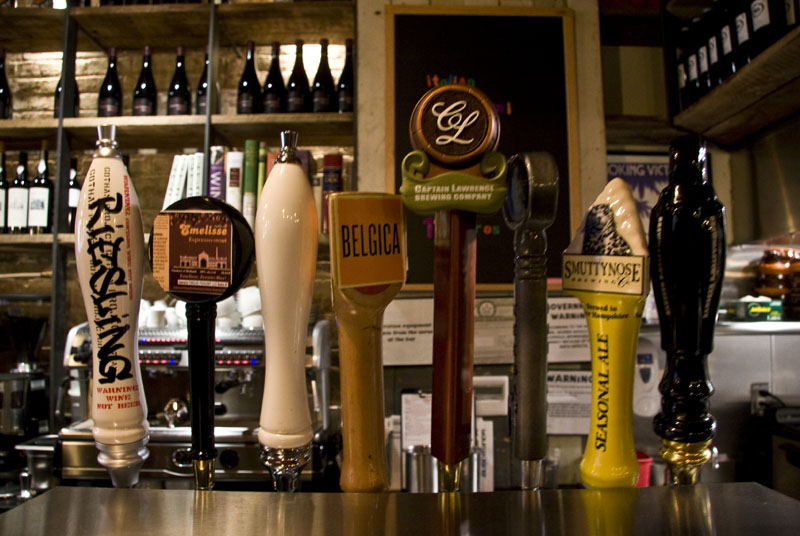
[(109, 100), (145, 95), (769, 22), (76, 98), (684, 95), (701, 42), (3, 190), (322, 92), (17, 221), (179, 99), (201, 102), (345, 88), (274, 90), (744, 30), (40, 198), (298, 97), (727, 39), (692, 67), (792, 14), (712, 24), (74, 194), (248, 100), (5, 91)]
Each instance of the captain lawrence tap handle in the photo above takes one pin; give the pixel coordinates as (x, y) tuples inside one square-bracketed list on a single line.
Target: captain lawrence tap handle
[(453, 174), (368, 263), (109, 255), (201, 252), (530, 208), (286, 253), (687, 252), (605, 267)]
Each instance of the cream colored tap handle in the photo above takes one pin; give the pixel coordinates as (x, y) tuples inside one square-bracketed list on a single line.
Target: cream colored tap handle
[(109, 255), (286, 253)]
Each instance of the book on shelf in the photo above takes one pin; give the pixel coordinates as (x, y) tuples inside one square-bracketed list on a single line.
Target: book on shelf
[(216, 172), (176, 184), (194, 177), (250, 182), (262, 169), (234, 163)]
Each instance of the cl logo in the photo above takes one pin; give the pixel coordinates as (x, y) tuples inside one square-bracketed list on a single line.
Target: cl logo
[(451, 118)]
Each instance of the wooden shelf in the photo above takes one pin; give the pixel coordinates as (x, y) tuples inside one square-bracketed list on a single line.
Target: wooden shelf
[(163, 26), (27, 29), (314, 129), (166, 26), (178, 132), (160, 131), (760, 95), (639, 130), (27, 241), (27, 134), (66, 239), (308, 21)]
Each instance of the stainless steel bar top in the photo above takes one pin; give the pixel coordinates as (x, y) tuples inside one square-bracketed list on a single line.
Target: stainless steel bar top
[(714, 509)]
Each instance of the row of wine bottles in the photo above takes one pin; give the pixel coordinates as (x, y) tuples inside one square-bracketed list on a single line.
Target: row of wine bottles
[(727, 37), (296, 95), (145, 95), (274, 96), (26, 206)]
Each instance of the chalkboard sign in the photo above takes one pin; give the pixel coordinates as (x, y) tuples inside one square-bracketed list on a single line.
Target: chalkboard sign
[(523, 60)]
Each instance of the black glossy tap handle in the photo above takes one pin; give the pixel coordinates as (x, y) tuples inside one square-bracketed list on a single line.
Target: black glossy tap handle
[(687, 256), (200, 322), (529, 209), (201, 308)]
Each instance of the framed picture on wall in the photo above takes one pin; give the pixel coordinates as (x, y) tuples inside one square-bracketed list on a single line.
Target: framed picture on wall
[(523, 60)]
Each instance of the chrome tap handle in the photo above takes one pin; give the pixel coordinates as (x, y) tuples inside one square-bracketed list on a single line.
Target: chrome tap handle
[(321, 359)]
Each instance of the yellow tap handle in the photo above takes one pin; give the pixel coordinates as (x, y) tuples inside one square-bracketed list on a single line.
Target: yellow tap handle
[(606, 268), (614, 321)]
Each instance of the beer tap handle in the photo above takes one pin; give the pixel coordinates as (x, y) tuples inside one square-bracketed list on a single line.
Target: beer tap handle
[(200, 324), (321, 359), (687, 242), (109, 256), (605, 267), (454, 174), (367, 244), (286, 252), (530, 209), (201, 252)]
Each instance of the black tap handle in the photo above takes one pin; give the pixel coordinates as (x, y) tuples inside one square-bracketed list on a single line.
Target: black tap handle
[(200, 322), (530, 208), (687, 255)]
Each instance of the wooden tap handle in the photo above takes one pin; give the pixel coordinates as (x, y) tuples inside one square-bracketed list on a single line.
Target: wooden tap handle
[(367, 242), (360, 319)]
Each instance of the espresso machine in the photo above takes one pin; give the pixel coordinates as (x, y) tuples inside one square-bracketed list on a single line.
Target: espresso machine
[(238, 391)]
